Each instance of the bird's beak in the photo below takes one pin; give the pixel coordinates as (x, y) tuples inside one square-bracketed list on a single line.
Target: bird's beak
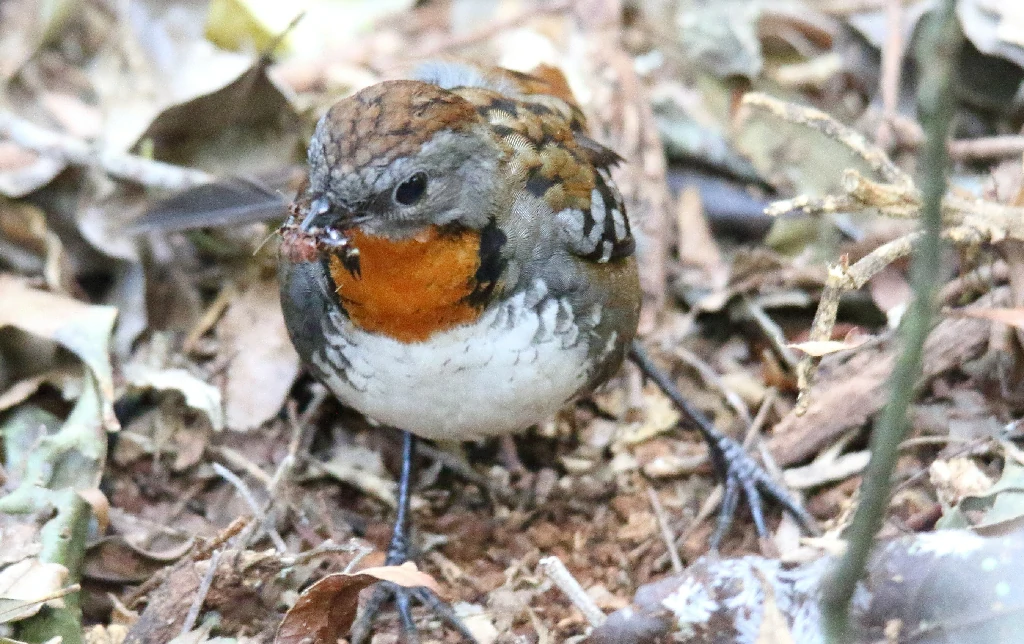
[(316, 208)]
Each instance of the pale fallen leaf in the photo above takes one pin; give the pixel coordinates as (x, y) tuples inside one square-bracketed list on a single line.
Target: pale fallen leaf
[(818, 348), (660, 415), (199, 395), (27, 585), (23, 171), (325, 611), (477, 621), (774, 627), (106, 634), (260, 357), (84, 329), (822, 472)]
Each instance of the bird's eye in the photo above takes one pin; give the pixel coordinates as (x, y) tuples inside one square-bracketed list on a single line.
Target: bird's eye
[(412, 189)]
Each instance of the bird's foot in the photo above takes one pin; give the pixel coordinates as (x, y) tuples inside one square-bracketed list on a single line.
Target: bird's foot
[(398, 553), (737, 471), (740, 474), (403, 598)]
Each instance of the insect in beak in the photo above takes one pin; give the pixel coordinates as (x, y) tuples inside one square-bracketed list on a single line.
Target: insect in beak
[(316, 208)]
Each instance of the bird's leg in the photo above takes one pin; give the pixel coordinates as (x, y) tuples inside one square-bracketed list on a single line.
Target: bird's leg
[(398, 553), (736, 470)]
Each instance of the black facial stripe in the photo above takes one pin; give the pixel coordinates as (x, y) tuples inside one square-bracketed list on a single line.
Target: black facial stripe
[(537, 184), (503, 105), (492, 264)]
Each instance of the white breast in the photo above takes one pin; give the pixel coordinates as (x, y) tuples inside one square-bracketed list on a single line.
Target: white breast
[(512, 368)]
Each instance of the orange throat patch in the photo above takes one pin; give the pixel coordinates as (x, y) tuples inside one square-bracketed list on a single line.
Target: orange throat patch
[(412, 288)]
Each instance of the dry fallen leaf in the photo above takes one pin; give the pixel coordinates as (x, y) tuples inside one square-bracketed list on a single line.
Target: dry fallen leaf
[(82, 328), (774, 626), (260, 357), (100, 506), (325, 611), (26, 586), (198, 394)]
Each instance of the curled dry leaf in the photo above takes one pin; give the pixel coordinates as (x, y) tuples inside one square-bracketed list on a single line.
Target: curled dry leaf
[(84, 329), (326, 610), (100, 506), (199, 395)]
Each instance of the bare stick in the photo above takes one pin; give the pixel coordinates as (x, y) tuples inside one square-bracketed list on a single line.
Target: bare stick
[(666, 531), (204, 589), (16, 606), (822, 122), (243, 490), (988, 147), (489, 30), (843, 277), (892, 63), (75, 151), (560, 576)]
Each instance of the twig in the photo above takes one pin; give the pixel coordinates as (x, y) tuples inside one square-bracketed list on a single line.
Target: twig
[(201, 592), (842, 277), (987, 147), (772, 331), (712, 379), (463, 469), (560, 576), (299, 425), (210, 316), (708, 508), (666, 531), (979, 280), (892, 63), (75, 151), (198, 553), (236, 459), (329, 547), (250, 500), (16, 606), (489, 30), (939, 45), (875, 157), (761, 417)]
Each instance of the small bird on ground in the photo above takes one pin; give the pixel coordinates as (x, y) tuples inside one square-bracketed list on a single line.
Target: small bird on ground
[(460, 265)]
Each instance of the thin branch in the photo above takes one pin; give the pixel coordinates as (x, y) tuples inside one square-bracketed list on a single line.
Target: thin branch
[(988, 147), (204, 588), (560, 576), (491, 29), (246, 495), (892, 64), (940, 44), (666, 531), (874, 156), (75, 151)]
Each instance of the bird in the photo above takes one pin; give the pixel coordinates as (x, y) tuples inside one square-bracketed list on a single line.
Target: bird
[(459, 264)]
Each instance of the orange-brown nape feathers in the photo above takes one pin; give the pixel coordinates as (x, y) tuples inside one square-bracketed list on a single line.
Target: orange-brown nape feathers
[(411, 288)]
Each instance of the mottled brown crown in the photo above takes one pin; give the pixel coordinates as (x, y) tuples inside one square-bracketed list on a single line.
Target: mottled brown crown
[(388, 121)]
